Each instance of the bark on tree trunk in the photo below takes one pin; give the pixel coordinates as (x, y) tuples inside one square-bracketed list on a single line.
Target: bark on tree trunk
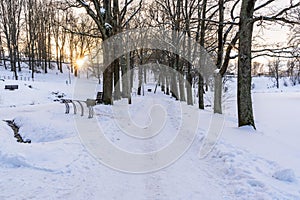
[(218, 76), (200, 92), (107, 77), (145, 74), (19, 60), (245, 112), (218, 94), (202, 43), (179, 69), (174, 85), (140, 73), (124, 79), (131, 68), (167, 86), (189, 78), (117, 89)]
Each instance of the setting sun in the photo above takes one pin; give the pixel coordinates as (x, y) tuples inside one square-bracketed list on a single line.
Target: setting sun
[(80, 62)]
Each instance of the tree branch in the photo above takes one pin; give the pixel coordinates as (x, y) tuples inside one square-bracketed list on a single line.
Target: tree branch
[(263, 5), (275, 50), (272, 55), (135, 12), (277, 17)]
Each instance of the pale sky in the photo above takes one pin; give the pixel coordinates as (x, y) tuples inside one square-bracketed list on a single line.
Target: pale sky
[(272, 33)]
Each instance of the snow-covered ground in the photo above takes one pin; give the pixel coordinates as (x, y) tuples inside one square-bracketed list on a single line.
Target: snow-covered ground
[(245, 164)]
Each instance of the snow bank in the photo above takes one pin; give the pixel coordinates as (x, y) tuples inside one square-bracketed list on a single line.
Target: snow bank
[(47, 125)]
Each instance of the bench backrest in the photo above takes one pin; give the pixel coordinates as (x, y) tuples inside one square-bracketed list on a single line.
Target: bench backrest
[(90, 102)]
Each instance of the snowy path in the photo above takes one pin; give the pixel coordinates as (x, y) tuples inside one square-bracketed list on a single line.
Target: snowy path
[(185, 179)]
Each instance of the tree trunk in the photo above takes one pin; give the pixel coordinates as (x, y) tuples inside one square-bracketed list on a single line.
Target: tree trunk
[(14, 64), (49, 47), (19, 60), (200, 92), (218, 76), (189, 76), (128, 78), (167, 84), (180, 79), (124, 80), (145, 74), (245, 112), (107, 77), (140, 73), (218, 94), (167, 75), (57, 55), (2, 55), (174, 85), (131, 68), (107, 89), (189, 81), (117, 89), (202, 43)]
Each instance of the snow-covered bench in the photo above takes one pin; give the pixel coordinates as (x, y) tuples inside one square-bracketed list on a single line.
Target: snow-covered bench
[(11, 87)]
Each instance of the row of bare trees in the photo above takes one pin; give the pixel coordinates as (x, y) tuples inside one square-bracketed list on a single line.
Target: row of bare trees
[(223, 28), (43, 34)]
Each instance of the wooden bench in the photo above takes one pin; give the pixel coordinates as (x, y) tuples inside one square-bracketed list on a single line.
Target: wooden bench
[(11, 87)]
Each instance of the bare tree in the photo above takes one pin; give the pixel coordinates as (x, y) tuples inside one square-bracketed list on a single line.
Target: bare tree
[(96, 63), (294, 63), (245, 111), (31, 22), (247, 19), (201, 38), (10, 13), (2, 54), (274, 70), (110, 18), (173, 19), (220, 50), (227, 37), (293, 66)]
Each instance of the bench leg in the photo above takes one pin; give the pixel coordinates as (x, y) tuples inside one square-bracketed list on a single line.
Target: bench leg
[(74, 107), (67, 108), (91, 112), (81, 106)]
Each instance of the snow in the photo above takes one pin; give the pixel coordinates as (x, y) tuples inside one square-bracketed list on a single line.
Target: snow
[(107, 25), (244, 164), (216, 71), (84, 2), (285, 175), (102, 10)]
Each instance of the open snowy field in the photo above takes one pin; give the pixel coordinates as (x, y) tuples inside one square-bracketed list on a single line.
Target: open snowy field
[(245, 164)]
